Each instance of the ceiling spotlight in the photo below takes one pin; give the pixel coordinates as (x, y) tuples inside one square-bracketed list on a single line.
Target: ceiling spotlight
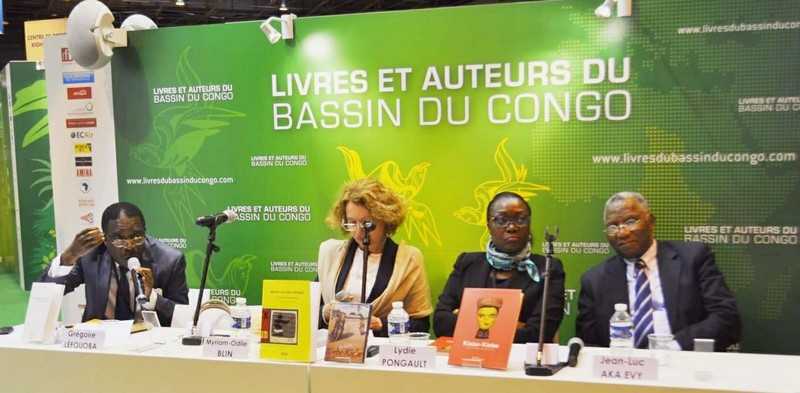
[(624, 8), (283, 6), (287, 28), (180, 3)]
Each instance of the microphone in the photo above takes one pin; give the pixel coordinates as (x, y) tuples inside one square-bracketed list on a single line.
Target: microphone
[(575, 344), (133, 264), (367, 225), (216, 219)]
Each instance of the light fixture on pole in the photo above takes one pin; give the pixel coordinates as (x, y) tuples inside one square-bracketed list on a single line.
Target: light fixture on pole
[(283, 6), (624, 8), (287, 28), (180, 3)]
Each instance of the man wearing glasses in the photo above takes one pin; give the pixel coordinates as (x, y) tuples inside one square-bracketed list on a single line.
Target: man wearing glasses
[(670, 287), (100, 260)]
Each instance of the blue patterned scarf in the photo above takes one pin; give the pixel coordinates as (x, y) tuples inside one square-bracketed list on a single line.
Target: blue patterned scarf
[(521, 260)]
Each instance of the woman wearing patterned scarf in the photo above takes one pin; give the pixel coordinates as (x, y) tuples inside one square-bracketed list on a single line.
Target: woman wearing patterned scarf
[(507, 263)]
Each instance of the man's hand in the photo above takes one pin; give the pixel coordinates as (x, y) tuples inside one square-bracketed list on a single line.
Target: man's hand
[(147, 280), (85, 241), (375, 324)]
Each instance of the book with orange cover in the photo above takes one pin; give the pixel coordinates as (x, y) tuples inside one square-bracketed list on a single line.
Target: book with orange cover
[(487, 321), (443, 344)]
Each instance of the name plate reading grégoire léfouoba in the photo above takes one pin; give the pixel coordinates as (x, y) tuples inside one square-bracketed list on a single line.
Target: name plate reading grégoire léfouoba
[(226, 348), (403, 356), (625, 367), (91, 340)]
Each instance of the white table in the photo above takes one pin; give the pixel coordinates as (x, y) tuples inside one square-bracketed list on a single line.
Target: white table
[(165, 368), (687, 372)]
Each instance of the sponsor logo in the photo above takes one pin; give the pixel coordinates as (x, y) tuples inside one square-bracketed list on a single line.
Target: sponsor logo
[(84, 110), (85, 202), (65, 56), (71, 78), (83, 172), (84, 148), (81, 134), (79, 93), (87, 218), (83, 161), (82, 123), (85, 186)]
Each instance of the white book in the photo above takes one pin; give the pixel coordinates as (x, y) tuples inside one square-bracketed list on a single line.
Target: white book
[(42, 314)]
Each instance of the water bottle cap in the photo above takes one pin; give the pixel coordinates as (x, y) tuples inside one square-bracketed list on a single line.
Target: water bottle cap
[(241, 300), (397, 304), (621, 307)]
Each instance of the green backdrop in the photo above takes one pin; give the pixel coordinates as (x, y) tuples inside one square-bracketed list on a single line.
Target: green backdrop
[(694, 104)]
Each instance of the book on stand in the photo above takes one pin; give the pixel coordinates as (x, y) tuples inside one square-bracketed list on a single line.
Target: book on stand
[(348, 330), (484, 333), (289, 317)]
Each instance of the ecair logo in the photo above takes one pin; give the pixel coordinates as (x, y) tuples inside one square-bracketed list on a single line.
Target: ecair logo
[(81, 134), (85, 187), (83, 148), (87, 218), (79, 93), (83, 172), (65, 56)]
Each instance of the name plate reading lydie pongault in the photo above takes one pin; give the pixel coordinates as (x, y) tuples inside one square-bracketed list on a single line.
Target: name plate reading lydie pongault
[(625, 367), (402, 356), (225, 348)]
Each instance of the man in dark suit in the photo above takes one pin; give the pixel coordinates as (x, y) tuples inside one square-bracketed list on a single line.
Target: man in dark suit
[(687, 292), (100, 260)]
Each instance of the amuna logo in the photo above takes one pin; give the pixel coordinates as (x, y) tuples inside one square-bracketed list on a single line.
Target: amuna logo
[(83, 172)]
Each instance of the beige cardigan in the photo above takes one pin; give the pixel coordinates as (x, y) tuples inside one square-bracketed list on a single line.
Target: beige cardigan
[(408, 283)]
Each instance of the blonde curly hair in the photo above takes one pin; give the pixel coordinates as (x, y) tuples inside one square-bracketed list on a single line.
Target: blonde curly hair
[(383, 203)]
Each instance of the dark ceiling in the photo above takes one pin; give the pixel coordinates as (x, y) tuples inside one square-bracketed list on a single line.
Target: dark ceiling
[(195, 12)]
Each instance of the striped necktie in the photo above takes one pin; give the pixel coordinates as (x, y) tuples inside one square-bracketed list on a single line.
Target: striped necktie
[(642, 307)]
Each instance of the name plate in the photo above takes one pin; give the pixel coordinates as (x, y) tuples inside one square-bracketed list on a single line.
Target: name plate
[(226, 348), (92, 340), (402, 356), (625, 367)]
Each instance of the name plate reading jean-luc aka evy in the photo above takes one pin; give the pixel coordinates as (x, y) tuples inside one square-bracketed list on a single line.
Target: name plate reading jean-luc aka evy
[(225, 348), (625, 367), (92, 340), (399, 356)]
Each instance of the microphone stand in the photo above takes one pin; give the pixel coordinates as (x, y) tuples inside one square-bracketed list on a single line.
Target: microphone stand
[(367, 229), (540, 369), (195, 339)]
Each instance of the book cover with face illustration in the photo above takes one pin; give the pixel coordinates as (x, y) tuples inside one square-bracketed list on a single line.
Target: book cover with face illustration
[(487, 321)]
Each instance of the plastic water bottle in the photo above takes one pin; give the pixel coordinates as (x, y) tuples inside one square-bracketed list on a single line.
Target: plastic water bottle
[(398, 324), (620, 330), (241, 319)]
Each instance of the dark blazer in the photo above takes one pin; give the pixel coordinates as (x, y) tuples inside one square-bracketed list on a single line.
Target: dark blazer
[(698, 302), (472, 271), (94, 270)]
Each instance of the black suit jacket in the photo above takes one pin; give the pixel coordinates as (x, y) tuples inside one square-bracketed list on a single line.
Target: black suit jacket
[(472, 271), (94, 270), (698, 302)]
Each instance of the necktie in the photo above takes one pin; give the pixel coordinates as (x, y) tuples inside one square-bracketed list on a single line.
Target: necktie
[(642, 307), (123, 307)]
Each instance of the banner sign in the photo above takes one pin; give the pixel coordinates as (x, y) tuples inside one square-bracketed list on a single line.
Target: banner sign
[(694, 106), (81, 138), (35, 33)]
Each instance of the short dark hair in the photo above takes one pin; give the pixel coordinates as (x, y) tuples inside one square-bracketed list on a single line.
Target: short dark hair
[(114, 211), (504, 195)]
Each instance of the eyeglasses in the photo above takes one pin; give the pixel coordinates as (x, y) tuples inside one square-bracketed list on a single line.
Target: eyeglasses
[(504, 222), (627, 225), (134, 241), (350, 226)]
